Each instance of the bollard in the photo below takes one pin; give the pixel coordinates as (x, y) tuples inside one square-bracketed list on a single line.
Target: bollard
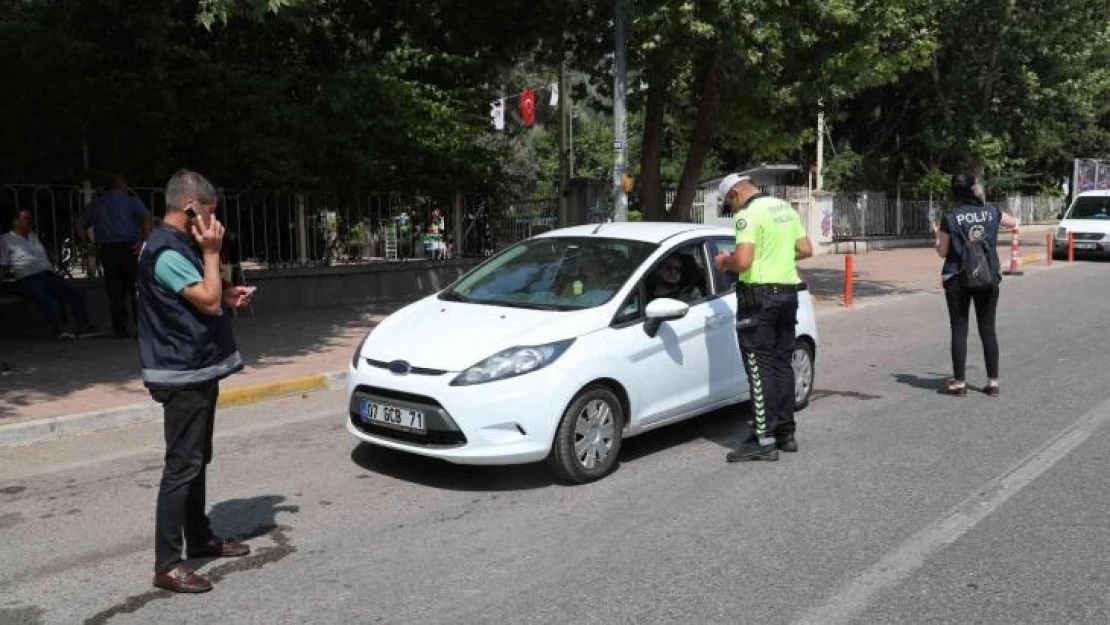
[(1015, 259), (848, 281), (1048, 248), (1071, 248)]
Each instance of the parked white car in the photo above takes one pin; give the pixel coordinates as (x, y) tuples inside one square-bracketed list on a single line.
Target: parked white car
[(1088, 218), (556, 349)]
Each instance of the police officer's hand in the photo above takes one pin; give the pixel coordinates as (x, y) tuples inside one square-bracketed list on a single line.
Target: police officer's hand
[(211, 237)]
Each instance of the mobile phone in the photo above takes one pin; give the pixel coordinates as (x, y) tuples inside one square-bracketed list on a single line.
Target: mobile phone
[(190, 213)]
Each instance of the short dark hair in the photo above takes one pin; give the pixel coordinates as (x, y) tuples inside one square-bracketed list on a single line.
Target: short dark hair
[(965, 186), (185, 184)]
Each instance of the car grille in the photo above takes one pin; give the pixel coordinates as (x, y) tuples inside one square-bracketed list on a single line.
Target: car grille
[(381, 364), (441, 430), (1089, 236)]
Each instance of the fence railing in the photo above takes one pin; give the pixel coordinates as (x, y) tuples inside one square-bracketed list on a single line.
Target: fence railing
[(282, 229), (880, 216)]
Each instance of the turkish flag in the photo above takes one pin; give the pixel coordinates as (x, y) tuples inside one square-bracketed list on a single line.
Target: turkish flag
[(528, 107)]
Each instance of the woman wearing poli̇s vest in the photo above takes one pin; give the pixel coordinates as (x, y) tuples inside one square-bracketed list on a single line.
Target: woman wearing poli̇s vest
[(967, 239)]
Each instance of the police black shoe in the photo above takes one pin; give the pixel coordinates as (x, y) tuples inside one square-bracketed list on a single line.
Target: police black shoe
[(786, 443), (751, 450)]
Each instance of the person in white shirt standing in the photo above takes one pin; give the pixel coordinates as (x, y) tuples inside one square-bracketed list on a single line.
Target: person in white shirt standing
[(23, 256)]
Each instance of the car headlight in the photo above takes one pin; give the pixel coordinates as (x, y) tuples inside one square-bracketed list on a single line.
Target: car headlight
[(358, 351), (512, 362), (1061, 233)]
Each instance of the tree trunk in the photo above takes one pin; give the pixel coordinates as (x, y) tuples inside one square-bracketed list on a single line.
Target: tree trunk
[(651, 156), (708, 110)]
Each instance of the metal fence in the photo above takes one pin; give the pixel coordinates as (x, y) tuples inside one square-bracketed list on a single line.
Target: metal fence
[(874, 215), (282, 229)]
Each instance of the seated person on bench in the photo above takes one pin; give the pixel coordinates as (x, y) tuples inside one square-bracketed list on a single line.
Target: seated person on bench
[(23, 256)]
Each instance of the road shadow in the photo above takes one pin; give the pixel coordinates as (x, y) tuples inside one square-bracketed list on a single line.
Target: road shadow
[(444, 475), (235, 519), (36, 370), (930, 383), (725, 427)]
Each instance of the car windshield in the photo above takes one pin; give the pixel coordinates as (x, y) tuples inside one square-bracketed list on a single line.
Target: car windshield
[(556, 273), (1091, 207)]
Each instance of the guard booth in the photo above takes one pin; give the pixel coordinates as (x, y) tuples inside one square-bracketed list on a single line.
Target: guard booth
[(586, 201)]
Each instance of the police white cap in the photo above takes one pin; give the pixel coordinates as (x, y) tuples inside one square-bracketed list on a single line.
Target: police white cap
[(728, 183)]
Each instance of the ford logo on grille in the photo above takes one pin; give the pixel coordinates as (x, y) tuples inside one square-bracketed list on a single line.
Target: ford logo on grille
[(399, 367)]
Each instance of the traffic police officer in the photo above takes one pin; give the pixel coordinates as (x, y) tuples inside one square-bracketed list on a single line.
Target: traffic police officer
[(769, 239)]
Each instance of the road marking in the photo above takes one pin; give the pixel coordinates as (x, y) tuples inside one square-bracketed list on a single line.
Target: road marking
[(851, 600)]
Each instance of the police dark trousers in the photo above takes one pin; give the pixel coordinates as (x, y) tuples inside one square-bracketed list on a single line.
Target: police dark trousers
[(959, 312), (120, 268), (189, 416), (765, 319), (184, 354)]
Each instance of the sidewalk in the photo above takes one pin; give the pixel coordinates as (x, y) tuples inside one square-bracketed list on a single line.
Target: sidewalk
[(51, 381), (56, 388), (902, 271)]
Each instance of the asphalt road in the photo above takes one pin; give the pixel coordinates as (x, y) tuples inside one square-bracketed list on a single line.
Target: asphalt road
[(903, 506)]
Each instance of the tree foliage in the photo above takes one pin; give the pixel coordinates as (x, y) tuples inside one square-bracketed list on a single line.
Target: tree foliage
[(360, 95)]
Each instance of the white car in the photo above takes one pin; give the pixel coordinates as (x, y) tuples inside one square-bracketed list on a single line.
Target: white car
[(1088, 218), (559, 347)]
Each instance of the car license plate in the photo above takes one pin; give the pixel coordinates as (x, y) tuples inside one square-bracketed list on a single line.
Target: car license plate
[(1084, 246), (393, 416)]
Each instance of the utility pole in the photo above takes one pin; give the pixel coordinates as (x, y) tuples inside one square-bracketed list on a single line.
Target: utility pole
[(620, 145), (820, 144), (564, 147)]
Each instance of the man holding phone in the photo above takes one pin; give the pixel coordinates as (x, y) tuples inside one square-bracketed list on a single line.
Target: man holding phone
[(186, 347)]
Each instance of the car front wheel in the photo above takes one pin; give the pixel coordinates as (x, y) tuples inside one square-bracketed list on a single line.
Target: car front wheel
[(588, 440), (802, 361)]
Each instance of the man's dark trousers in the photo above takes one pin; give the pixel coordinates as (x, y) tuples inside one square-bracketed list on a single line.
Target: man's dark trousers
[(120, 265), (188, 423), (766, 335), (45, 289)]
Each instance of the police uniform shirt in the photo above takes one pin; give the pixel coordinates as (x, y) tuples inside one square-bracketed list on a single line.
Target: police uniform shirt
[(774, 227)]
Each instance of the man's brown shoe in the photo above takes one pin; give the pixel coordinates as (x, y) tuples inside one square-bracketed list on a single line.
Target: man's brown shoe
[(181, 579), (220, 548)]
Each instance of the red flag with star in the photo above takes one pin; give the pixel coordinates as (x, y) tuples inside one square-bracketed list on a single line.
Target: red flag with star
[(528, 107)]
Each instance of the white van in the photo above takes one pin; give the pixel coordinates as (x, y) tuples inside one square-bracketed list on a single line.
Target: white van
[(1088, 218)]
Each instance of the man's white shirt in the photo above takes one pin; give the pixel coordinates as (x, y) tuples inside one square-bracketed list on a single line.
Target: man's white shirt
[(23, 256)]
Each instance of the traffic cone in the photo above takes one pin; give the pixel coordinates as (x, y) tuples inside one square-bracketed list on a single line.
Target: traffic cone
[(1015, 259)]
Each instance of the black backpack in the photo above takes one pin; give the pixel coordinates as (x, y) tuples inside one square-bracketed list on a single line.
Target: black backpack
[(976, 271)]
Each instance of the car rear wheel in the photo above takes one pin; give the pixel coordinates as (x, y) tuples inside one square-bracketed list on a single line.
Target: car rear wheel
[(588, 440), (802, 361)]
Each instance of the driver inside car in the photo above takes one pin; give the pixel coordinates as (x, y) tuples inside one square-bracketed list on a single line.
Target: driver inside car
[(672, 279)]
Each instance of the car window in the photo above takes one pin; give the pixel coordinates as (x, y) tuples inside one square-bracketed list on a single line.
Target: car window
[(1091, 207), (632, 309), (724, 282), (683, 274), (553, 273)]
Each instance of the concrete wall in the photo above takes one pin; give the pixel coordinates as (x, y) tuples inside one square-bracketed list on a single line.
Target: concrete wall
[(278, 290)]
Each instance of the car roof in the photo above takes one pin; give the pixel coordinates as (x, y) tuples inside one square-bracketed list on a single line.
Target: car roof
[(646, 231)]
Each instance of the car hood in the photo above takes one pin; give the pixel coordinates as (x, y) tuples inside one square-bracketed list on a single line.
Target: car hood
[(453, 336), (1087, 225)]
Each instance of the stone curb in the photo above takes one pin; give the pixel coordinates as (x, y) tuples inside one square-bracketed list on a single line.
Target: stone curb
[(39, 430)]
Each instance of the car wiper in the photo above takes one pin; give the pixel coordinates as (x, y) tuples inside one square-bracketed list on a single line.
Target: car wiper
[(454, 296), (525, 305)]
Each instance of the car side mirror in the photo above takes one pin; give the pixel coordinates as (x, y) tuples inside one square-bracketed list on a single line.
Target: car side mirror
[(663, 309), (1059, 215)]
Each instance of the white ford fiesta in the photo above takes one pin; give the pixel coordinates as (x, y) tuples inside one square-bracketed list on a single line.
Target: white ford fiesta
[(559, 347)]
